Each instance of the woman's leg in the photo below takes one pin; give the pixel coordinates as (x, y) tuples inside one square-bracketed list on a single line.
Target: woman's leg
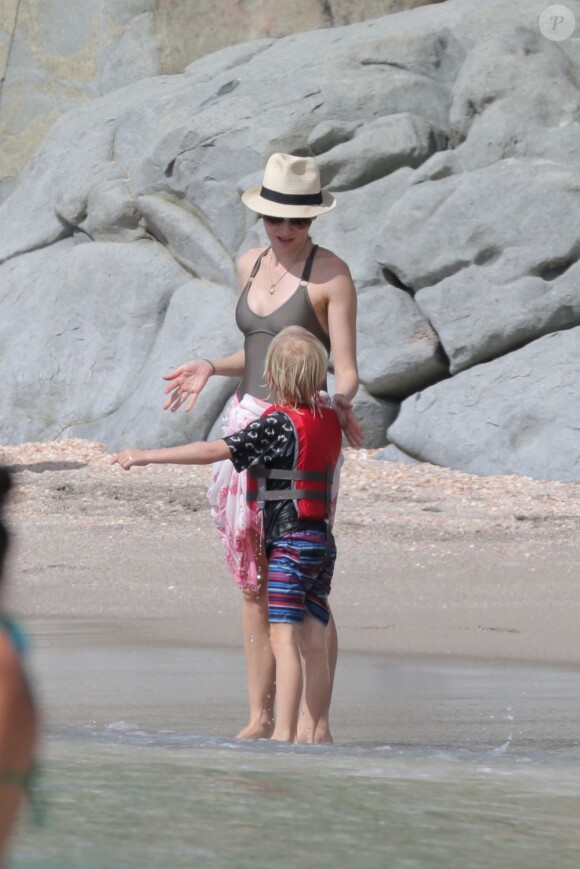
[(286, 640), (260, 663)]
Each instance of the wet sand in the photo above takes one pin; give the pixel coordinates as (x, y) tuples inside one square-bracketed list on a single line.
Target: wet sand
[(91, 675), (432, 562), (456, 701)]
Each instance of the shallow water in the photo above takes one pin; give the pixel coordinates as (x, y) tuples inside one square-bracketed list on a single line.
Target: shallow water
[(438, 764)]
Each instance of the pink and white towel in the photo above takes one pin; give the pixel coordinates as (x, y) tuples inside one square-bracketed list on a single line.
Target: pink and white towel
[(234, 518)]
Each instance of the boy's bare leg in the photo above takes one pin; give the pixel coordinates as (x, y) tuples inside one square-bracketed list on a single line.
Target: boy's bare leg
[(319, 732), (322, 734), (286, 640), (260, 663), (317, 682)]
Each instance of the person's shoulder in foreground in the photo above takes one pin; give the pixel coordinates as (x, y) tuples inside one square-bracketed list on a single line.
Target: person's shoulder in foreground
[(18, 717)]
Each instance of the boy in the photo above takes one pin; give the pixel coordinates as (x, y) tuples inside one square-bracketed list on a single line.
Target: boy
[(291, 453)]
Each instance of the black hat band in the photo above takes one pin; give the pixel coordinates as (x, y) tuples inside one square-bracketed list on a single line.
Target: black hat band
[(291, 199)]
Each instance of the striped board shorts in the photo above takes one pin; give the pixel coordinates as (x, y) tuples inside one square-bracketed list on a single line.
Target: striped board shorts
[(300, 571)]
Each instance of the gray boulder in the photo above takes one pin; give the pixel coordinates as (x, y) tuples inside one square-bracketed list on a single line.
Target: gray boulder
[(522, 212), (79, 365), (57, 54), (379, 148), (188, 237), (398, 350), (456, 175), (198, 322), (480, 315), (516, 415), (503, 99), (512, 260), (391, 453)]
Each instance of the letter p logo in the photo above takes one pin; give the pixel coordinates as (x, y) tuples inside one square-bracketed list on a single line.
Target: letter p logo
[(557, 23)]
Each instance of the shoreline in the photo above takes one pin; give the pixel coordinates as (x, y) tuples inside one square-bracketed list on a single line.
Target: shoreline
[(108, 683), (114, 633), (432, 562)]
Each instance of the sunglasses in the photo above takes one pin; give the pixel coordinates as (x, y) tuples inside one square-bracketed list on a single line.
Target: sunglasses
[(298, 222)]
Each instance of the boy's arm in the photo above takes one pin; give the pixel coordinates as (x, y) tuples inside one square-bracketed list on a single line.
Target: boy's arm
[(243, 448), (198, 453)]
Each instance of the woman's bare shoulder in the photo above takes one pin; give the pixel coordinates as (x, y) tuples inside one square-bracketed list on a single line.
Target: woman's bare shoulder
[(330, 265), (10, 668)]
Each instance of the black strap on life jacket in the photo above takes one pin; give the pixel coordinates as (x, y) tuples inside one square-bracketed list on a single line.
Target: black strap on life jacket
[(262, 494)]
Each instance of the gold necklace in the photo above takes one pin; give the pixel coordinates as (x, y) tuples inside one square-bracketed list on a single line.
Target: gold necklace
[(274, 284)]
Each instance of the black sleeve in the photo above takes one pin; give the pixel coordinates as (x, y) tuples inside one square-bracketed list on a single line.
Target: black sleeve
[(262, 441)]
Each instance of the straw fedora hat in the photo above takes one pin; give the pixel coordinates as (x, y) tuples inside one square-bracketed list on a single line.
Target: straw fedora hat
[(290, 188)]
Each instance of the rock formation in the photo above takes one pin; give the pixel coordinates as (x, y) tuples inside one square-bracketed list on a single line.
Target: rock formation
[(55, 54), (451, 136)]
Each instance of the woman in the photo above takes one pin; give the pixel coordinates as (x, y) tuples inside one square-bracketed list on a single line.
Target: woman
[(291, 282), (18, 718)]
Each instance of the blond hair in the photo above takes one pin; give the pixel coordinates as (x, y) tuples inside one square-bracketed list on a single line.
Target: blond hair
[(296, 366)]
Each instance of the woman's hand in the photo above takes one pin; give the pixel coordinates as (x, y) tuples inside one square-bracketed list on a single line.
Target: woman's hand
[(347, 419), (185, 384), (128, 458)]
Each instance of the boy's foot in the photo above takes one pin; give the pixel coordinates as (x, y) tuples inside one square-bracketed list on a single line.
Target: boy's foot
[(323, 738), (319, 738), (318, 735)]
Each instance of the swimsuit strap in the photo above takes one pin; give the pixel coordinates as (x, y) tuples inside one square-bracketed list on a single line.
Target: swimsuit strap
[(305, 274), (14, 632), (308, 265), (254, 271), (255, 268)]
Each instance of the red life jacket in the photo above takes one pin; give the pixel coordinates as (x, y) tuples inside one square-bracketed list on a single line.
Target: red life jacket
[(319, 438)]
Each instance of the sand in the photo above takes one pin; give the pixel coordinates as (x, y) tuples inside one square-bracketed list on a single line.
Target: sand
[(432, 562)]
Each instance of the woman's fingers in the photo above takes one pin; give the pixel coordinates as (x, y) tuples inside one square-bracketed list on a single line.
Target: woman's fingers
[(357, 435), (179, 401), (184, 397), (186, 393), (191, 402), (348, 420), (169, 402), (355, 438), (177, 372), (179, 394)]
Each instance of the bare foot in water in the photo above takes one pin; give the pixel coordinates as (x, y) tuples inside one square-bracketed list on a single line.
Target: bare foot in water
[(257, 730), (309, 735), (323, 736)]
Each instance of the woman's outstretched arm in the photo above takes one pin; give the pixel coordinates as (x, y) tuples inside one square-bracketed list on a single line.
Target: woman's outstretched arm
[(187, 381)]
